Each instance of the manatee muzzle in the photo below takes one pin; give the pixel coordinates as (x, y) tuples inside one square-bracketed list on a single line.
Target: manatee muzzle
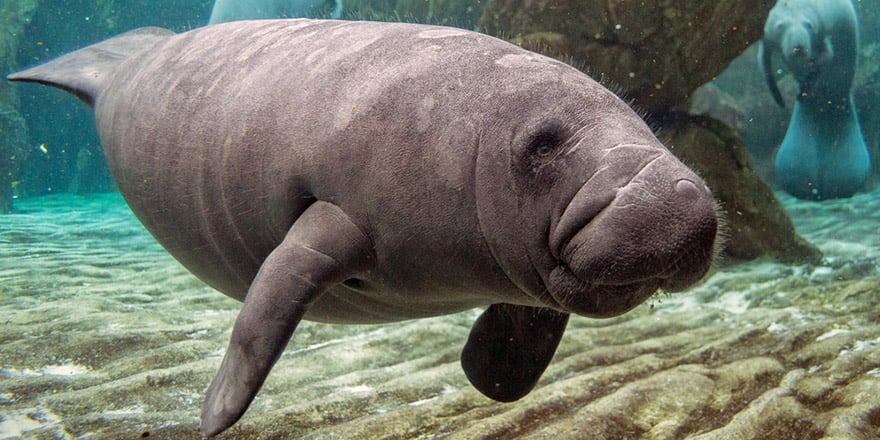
[(797, 45), (616, 245)]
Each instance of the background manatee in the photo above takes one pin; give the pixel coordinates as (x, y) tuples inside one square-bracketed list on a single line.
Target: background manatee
[(824, 154)]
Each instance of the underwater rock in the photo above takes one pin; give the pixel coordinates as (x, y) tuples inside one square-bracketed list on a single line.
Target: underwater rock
[(756, 222), (13, 145), (654, 52)]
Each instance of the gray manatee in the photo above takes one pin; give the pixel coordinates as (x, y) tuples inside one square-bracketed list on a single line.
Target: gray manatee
[(824, 154), (361, 172), (234, 10)]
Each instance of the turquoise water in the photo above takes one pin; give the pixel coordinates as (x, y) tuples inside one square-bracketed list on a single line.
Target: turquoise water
[(105, 335)]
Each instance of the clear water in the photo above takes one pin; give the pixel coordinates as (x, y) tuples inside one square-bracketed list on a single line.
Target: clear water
[(104, 335)]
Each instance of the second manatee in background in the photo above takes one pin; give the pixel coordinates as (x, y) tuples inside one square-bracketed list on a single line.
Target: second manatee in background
[(824, 154)]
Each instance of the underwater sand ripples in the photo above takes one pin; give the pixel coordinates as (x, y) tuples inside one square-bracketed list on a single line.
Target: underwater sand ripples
[(760, 350)]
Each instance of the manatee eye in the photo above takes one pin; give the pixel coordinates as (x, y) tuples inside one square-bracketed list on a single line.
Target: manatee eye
[(536, 160), (545, 143), (543, 150)]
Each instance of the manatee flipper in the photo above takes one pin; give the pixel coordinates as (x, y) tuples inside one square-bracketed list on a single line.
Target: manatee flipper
[(322, 248), (509, 348), (827, 54), (765, 54), (82, 73)]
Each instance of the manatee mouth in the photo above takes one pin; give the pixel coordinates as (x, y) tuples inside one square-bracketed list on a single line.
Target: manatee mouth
[(615, 249), (608, 298), (574, 295)]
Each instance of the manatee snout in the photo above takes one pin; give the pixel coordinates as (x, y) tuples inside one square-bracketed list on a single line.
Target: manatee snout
[(797, 45), (658, 230)]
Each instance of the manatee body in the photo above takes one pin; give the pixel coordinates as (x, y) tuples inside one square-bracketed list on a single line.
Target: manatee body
[(360, 172), (823, 154)]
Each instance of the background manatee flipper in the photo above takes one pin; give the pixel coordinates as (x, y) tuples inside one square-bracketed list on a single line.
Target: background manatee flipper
[(509, 347), (765, 55), (322, 248), (82, 73)]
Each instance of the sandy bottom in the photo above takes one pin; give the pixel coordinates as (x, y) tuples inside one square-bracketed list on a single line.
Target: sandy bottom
[(105, 336)]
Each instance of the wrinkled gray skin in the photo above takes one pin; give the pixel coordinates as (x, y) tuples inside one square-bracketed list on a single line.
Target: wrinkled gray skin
[(360, 172)]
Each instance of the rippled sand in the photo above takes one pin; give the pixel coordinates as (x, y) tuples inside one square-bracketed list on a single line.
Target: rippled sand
[(105, 336)]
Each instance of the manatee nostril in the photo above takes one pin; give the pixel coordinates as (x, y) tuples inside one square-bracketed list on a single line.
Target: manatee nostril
[(687, 189)]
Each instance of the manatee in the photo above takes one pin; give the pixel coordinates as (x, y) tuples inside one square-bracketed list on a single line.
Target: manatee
[(362, 172), (823, 154), (233, 10)]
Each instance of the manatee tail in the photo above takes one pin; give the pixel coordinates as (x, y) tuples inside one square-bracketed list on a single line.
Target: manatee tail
[(82, 73), (765, 57)]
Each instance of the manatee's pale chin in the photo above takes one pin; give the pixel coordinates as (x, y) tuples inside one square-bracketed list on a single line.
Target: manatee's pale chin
[(580, 297)]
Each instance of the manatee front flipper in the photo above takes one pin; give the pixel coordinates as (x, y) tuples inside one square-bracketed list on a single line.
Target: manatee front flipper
[(510, 347), (765, 54), (324, 247)]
